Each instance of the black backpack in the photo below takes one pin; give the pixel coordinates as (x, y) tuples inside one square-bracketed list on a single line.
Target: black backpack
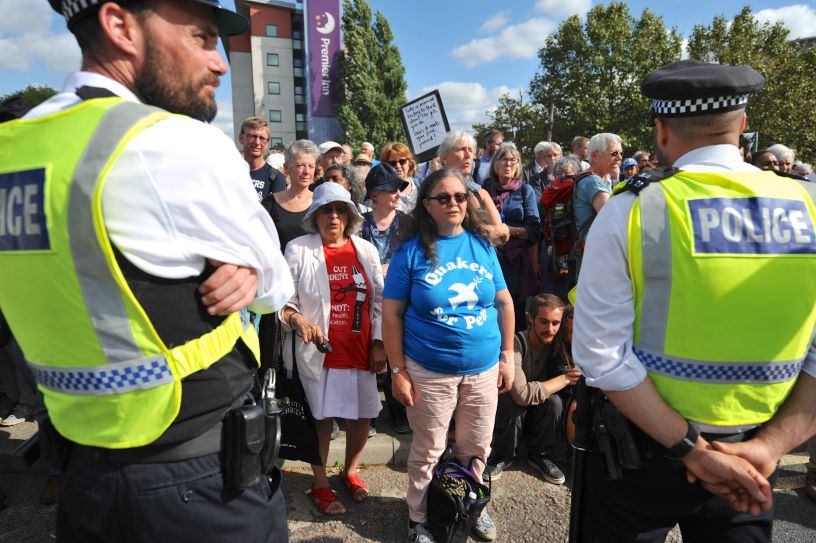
[(455, 500)]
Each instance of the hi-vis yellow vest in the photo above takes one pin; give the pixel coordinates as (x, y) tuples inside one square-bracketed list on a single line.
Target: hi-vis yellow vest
[(723, 269), (107, 377)]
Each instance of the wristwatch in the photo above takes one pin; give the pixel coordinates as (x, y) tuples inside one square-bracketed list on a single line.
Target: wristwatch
[(396, 369), (685, 446)]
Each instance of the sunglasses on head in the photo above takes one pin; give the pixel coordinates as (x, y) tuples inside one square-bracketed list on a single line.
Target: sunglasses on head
[(445, 199)]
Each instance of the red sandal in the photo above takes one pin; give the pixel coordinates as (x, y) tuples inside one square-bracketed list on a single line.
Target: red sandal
[(323, 498), (356, 486)]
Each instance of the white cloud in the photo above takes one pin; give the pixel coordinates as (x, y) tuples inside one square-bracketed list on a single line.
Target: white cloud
[(223, 119), (467, 103), (800, 19), (26, 40), (495, 22), (19, 14), (516, 41), (563, 8)]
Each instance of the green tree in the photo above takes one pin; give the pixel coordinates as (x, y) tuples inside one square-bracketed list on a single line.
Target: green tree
[(371, 78), (591, 73), (784, 111), (520, 122), (33, 94)]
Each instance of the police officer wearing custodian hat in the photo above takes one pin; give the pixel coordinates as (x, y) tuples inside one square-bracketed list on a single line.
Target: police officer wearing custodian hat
[(710, 338), (122, 273)]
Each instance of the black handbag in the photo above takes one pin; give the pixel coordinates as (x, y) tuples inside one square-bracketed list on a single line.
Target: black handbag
[(298, 431), (455, 500)]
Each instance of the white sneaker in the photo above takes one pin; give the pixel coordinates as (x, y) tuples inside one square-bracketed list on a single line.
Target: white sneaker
[(20, 414), (11, 420), (419, 534), (484, 526)]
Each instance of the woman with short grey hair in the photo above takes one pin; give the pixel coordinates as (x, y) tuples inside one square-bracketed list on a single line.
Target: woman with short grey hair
[(300, 147), (457, 151), (566, 167)]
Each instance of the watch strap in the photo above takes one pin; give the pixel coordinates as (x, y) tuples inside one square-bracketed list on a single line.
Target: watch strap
[(685, 445)]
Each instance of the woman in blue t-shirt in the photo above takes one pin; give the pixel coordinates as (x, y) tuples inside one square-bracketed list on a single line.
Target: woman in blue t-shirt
[(448, 332)]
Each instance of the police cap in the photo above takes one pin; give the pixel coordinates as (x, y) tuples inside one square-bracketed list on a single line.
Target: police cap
[(229, 22), (690, 87)]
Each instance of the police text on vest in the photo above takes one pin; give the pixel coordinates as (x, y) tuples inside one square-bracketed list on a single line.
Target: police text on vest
[(22, 212), (753, 225)]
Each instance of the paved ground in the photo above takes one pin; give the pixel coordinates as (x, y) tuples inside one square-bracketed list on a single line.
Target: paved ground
[(523, 507)]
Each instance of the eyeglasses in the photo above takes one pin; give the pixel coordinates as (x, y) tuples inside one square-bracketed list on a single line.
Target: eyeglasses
[(444, 199), (252, 137), (401, 162), (340, 209), (510, 161), (616, 153)]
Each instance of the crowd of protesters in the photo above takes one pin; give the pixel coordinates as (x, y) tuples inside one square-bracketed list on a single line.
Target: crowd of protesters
[(397, 223), (418, 216)]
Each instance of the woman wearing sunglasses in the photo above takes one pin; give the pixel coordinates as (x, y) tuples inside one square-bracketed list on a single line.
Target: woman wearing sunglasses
[(399, 157), (448, 331), (338, 287)]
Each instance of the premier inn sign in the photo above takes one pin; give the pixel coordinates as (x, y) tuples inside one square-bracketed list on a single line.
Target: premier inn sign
[(323, 28)]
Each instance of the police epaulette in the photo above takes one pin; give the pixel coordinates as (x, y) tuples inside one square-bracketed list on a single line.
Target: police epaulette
[(642, 180)]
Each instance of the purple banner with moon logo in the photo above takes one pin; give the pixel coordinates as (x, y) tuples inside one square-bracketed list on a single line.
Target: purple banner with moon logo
[(323, 24)]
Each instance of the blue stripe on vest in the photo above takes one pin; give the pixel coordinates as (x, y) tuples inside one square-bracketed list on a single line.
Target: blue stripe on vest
[(22, 211), (104, 380), (719, 372), (754, 225)]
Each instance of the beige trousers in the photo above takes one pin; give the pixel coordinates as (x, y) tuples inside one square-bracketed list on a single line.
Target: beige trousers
[(470, 400)]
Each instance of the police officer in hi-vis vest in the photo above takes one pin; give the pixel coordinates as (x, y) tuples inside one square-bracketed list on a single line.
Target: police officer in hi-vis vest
[(704, 339), (123, 272)]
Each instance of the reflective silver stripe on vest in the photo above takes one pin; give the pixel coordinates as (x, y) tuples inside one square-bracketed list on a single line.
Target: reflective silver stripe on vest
[(104, 380), (719, 372), (102, 296), (657, 267)]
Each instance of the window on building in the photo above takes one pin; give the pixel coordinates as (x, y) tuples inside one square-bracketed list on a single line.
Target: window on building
[(298, 72), (271, 31), (297, 44), (272, 59), (274, 116), (300, 90), (300, 99), (300, 117), (297, 35), (274, 141), (273, 87), (298, 62), (300, 126)]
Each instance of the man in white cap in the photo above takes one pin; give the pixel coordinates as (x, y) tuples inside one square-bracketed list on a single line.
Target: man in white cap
[(119, 294)]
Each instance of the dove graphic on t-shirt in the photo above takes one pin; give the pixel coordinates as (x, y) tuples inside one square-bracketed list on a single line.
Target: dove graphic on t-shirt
[(464, 294)]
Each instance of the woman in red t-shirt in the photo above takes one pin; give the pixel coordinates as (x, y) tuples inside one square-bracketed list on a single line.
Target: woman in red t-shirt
[(338, 287)]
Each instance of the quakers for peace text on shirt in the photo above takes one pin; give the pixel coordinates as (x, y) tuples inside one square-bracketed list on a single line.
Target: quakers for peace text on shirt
[(451, 323)]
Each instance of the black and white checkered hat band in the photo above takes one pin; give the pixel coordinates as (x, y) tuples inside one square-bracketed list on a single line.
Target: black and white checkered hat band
[(697, 105), (72, 7)]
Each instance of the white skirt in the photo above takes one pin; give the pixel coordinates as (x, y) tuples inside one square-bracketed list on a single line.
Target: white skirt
[(344, 393)]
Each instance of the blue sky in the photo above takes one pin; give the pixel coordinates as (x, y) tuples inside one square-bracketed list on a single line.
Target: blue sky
[(472, 51)]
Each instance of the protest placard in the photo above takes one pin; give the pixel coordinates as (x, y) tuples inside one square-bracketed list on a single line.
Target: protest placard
[(425, 124)]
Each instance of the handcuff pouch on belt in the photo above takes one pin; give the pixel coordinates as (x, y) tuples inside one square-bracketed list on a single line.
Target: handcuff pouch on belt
[(252, 438), (617, 442)]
